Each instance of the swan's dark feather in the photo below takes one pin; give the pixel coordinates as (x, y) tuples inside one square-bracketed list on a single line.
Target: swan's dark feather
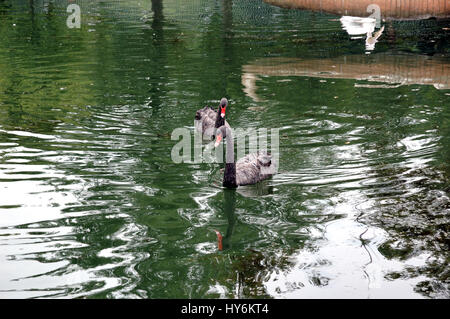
[(208, 116), (254, 168)]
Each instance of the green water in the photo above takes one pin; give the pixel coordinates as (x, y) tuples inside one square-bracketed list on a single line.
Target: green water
[(92, 205)]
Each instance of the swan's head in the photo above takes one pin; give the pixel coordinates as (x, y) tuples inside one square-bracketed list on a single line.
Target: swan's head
[(221, 133), (223, 106)]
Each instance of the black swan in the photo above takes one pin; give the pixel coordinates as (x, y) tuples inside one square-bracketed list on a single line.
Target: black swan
[(211, 119), (250, 169)]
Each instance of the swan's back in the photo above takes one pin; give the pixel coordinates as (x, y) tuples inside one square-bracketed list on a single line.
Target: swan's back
[(207, 116), (254, 168)]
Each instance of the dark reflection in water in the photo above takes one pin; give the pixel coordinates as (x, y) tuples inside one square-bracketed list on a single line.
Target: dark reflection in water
[(91, 204), (229, 203), (415, 223)]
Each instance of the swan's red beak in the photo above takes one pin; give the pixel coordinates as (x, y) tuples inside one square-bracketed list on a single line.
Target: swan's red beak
[(222, 111), (218, 140)]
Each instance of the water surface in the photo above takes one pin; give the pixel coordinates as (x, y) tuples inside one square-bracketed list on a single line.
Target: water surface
[(92, 206)]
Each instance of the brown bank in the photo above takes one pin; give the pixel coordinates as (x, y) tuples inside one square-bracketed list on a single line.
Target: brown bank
[(388, 9)]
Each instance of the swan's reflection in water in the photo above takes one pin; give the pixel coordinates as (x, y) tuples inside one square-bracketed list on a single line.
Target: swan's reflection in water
[(372, 39), (229, 205), (257, 190), (356, 27)]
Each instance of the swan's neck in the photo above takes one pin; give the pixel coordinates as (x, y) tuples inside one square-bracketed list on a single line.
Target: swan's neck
[(219, 119), (229, 177)]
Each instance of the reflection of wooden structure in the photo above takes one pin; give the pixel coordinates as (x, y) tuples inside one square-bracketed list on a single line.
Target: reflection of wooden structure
[(386, 69), (389, 9)]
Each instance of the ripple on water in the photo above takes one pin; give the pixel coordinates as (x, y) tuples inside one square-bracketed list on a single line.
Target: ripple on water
[(91, 205)]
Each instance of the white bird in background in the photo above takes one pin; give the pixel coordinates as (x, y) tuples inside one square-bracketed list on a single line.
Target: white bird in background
[(357, 26)]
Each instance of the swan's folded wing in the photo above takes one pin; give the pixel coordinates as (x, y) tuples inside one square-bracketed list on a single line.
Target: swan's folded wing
[(207, 116), (206, 113), (201, 113), (247, 173), (249, 158), (254, 168), (262, 158)]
